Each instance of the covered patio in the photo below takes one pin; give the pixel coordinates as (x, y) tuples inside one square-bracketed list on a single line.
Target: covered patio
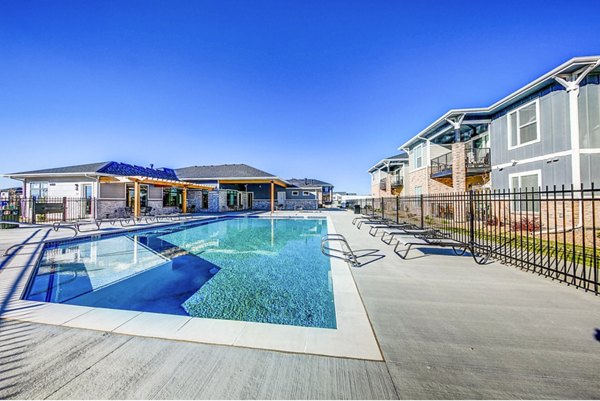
[(135, 192)]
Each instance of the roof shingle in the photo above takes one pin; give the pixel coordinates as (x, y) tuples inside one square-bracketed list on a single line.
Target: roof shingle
[(221, 171)]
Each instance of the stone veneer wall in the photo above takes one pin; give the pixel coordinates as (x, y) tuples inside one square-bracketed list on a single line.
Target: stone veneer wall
[(261, 204), (194, 198), (108, 207), (306, 204), (217, 201)]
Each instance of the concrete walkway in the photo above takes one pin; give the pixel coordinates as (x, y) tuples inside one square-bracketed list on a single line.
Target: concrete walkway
[(447, 327)]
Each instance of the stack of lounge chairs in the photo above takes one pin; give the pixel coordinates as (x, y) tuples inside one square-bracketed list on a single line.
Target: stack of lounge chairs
[(403, 236)]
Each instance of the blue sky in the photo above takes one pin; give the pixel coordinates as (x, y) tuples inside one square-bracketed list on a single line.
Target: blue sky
[(323, 89)]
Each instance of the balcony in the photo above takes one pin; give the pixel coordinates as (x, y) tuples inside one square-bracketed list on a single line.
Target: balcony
[(397, 181), (441, 166), (477, 162)]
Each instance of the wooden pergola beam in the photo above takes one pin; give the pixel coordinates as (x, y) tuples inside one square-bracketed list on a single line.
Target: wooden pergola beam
[(156, 181)]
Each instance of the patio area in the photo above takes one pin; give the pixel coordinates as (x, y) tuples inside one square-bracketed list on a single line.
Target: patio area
[(446, 328)]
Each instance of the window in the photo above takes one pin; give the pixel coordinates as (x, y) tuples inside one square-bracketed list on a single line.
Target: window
[(38, 189), (295, 193), (172, 197), (306, 193), (131, 195), (525, 188), (523, 127), (417, 157), (232, 199), (418, 190)]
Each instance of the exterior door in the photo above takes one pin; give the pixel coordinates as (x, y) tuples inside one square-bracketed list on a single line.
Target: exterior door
[(281, 198), (87, 199)]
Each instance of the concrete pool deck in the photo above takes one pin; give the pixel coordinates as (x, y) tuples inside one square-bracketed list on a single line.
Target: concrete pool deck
[(447, 328)]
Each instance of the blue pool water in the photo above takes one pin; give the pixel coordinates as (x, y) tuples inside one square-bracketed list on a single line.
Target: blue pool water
[(250, 269)]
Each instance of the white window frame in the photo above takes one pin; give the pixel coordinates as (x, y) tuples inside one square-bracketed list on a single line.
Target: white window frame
[(47, 183), (514, 203), (420, 190), (306, 193), (414, 157), (515, 113), (295, 193)]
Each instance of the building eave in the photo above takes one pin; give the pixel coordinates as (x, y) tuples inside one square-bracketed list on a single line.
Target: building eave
[(523, 91)]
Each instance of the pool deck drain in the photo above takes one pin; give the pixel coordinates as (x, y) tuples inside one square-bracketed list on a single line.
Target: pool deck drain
[(352, 338)]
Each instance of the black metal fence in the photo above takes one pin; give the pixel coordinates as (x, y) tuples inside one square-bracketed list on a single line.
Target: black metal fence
[(551, 231), (45, 210)]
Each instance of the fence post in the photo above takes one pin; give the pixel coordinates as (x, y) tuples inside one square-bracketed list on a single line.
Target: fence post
[(397, 207), (382, 208), (33, 210), (422, 211), (471, 218), (64, 217), (372, 206)]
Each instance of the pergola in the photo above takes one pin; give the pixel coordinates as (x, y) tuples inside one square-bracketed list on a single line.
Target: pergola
[(159, 182)]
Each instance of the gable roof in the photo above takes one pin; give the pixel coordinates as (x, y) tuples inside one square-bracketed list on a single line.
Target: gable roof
[(308, 182), (221, 171), (77, 169), (102, 168), (395, 160)]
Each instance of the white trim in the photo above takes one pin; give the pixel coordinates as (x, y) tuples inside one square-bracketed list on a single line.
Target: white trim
[(590, 150), (529, 172), (295, 193), (414, 159), (535, 159), (516, 113), (519, 175)]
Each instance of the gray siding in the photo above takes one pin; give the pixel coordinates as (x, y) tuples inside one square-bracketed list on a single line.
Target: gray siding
[(300, 193), (589, 116), (557, 173), (554, 131), (590, 173)]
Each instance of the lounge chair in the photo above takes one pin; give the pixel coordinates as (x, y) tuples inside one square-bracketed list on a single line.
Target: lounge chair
[(375, 228), (374, 220), (388, 233), (433, 239), (363, 217)]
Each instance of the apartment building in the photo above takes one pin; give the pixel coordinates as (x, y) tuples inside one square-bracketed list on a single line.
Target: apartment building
[(546, 133), (387, 176)]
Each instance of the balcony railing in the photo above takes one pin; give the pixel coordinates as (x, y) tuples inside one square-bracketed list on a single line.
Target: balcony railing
[(397, 181), (441, 166), (477, 161)]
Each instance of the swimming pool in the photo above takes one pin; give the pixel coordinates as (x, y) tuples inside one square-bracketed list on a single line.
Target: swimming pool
[(250, 269)]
